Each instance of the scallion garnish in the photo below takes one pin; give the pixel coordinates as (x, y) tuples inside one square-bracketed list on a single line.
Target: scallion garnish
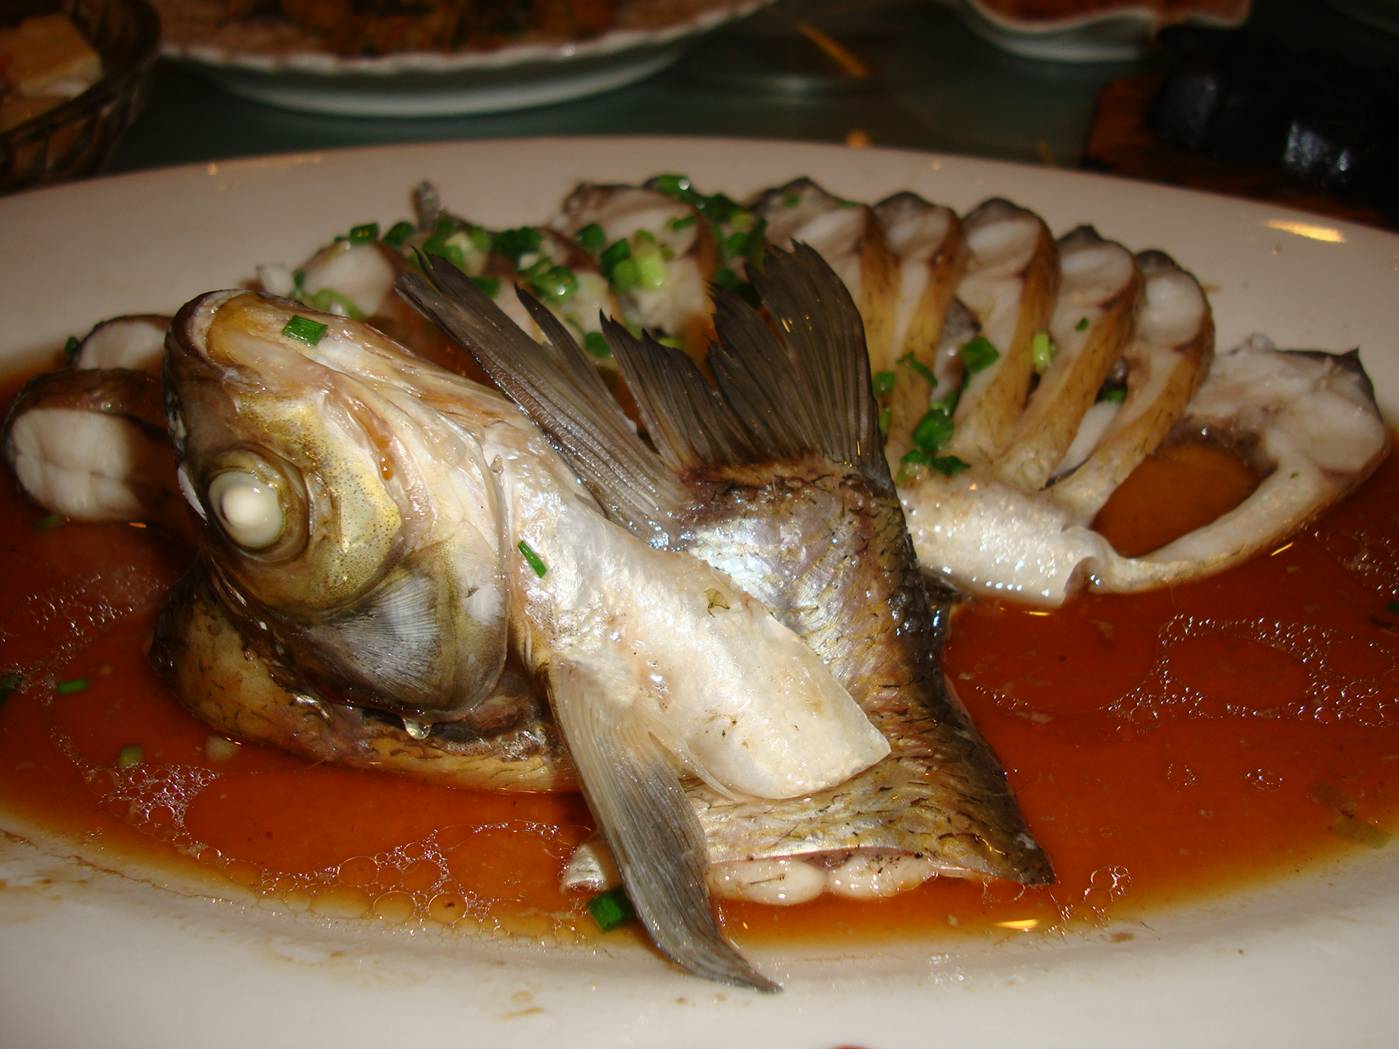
[(596, 344), (978, 354), (398, 234), (1042, 350), (303, 329), (885, 415), (1115, 394), (625, 275), (71, 687), (611, 909), (614, 253), (550, 280), (512, 243), (327, 299), (592, 237), (130, 756), (791, 200), (70, 347), (49, 522), (681, 222), (943, 464), (883, 383), (490, 285), (1082, 324), (916, 366), (933, 430), (364, 233), (532, 559), (677, 186)]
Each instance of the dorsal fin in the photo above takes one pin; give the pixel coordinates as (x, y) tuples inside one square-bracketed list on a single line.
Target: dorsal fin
[(684, 416), (556, 385), (832, 401)]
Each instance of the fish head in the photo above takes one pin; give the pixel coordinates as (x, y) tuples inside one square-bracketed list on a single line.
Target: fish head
[(350, 526)]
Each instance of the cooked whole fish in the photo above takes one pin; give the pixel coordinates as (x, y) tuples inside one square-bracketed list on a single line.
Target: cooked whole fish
[(655, 663), (778, 478)]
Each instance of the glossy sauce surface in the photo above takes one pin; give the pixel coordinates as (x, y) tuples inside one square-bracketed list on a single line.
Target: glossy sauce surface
[(1162, 745)]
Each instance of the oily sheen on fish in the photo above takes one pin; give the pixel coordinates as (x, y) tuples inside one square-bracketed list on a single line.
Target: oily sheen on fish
[(783, 486)]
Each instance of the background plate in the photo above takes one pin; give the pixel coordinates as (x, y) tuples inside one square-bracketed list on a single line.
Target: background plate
[(89, 957), (443, 84)]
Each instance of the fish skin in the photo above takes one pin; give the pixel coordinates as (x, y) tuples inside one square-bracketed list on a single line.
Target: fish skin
[(616, 627), (507, 743), (815, 532), (941, 794)]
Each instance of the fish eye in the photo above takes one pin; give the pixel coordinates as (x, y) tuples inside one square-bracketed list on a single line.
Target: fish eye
[(247, 507)]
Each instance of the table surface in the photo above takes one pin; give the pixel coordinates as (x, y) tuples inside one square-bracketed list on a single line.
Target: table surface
[(933, 84)]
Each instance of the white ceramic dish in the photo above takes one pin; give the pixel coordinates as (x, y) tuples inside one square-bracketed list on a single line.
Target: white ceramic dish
[(441, 84), (89, 958), (1119, 34)]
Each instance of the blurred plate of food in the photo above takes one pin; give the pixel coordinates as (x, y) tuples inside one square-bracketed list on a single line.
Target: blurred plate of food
[(1090, 30), (72, 78), (436, 58)]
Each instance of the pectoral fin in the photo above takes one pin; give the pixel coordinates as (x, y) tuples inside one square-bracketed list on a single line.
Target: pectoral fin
[(636, 797)]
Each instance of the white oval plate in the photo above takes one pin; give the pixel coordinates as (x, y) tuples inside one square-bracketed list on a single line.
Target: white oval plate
[(423, 84), (93, 959)]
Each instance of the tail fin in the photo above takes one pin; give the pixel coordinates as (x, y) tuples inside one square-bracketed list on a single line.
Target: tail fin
[(633, 790)]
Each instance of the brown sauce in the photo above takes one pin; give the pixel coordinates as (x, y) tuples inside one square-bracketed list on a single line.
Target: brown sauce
[(1165, 745)]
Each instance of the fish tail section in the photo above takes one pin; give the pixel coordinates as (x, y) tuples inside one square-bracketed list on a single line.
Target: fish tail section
[(635, 794)]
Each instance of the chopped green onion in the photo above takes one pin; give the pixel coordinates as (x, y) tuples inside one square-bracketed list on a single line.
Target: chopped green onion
[(978, 354), (1082, 324), (130, 756), (592, 238), (616, 252), (1042, 350), (911, 362), (10, 682), (439, 244), (327, 298), (948, 464), (671, 341), (727, 278), (49, 522), (364, 233), (933, 430), (71, 687), (595, 343), (549, 279), (532, 559), (885, 415), (883, 383), (626, 275), (304, 329), (611, 909), (70, 347), (490, 285), (513, 243), (1115, 394), (791, 200), (672, 185), (398, 234), (480, 237), (918, 458), (681, 222), (651, 270)]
